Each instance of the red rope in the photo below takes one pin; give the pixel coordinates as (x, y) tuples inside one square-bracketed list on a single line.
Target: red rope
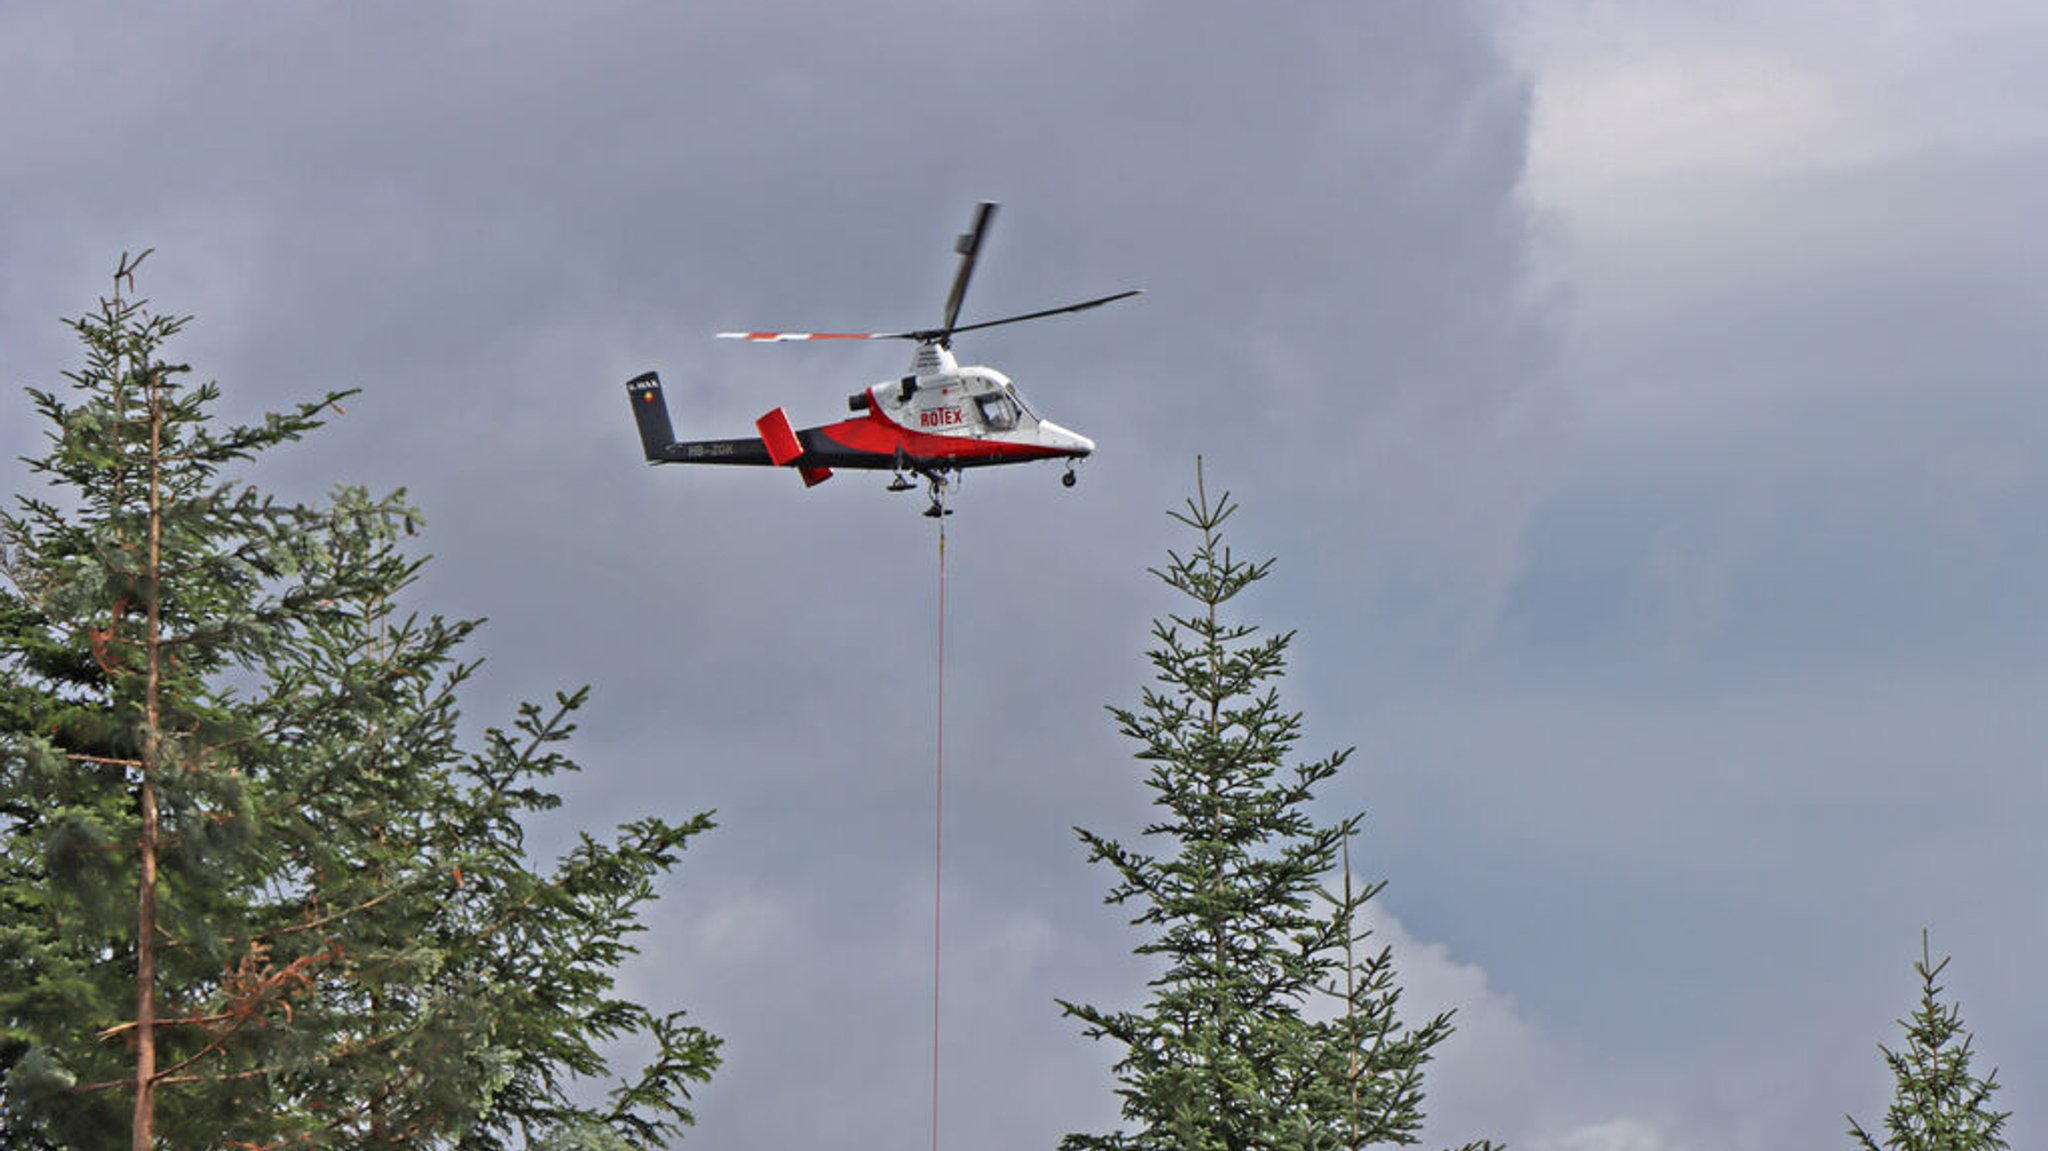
[(939, 834)]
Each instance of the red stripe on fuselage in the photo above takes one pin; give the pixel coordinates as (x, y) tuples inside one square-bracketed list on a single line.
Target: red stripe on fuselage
[(882, 436)]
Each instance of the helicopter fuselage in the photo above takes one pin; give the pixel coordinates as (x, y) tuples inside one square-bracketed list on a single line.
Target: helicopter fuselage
[(952, 419)]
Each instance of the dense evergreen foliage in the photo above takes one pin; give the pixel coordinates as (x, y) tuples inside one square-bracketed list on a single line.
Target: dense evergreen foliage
[(1939, 1104), (1269, 1025), (254, 892)]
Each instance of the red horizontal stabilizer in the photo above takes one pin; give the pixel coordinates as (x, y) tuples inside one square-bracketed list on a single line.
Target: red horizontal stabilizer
[(783, 447)]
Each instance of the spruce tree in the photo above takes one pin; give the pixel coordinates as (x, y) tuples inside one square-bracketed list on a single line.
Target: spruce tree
[(1271, 1023), (1939, 1103), (253, 890)]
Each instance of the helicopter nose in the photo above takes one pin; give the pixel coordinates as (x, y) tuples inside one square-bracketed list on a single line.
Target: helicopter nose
[(1067, 440)]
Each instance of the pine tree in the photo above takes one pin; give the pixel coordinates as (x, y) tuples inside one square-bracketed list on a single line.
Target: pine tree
[(1232, 1052), (1939, 1104), (253, 892)]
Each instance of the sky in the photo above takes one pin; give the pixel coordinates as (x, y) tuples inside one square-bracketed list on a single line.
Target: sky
[(1636, 398)]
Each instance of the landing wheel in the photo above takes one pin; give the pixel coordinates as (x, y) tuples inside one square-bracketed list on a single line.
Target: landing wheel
[(1067, 481)]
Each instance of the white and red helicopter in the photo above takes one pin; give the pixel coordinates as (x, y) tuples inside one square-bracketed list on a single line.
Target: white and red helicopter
[(939, 419)]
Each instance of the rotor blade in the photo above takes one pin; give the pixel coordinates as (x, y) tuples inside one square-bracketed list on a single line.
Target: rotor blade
[(1080, 307), (927, 335), (781, 337), (969, 247)]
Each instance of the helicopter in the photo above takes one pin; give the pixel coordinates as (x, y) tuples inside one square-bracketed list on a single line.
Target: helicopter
[(937, 420)]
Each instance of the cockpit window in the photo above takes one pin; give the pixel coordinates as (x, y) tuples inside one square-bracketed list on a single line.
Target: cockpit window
[(1018, 400), (998, 411)]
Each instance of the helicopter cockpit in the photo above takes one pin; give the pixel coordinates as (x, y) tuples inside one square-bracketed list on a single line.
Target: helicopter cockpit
[(998, 412), (996, 401)]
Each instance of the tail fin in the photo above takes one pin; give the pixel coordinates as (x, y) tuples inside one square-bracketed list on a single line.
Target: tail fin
[(650, 411)]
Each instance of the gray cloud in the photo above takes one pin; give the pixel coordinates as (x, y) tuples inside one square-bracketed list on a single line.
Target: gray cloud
[(1658, 508)]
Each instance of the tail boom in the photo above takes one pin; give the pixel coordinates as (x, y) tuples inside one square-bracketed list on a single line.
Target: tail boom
[(778, 446)]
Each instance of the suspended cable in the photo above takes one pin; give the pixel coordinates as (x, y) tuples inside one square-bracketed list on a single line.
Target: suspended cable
[(939, 832)]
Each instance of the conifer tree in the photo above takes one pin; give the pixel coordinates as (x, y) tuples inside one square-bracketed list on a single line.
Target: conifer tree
[(253, 891), (1233, 1050), (1939, 1103)]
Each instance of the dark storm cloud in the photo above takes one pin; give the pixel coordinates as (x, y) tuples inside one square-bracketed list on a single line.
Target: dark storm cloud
[(486, 218)]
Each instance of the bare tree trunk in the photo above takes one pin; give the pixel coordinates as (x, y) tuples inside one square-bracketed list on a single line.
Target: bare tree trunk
[(145, 975), (152, 759)]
